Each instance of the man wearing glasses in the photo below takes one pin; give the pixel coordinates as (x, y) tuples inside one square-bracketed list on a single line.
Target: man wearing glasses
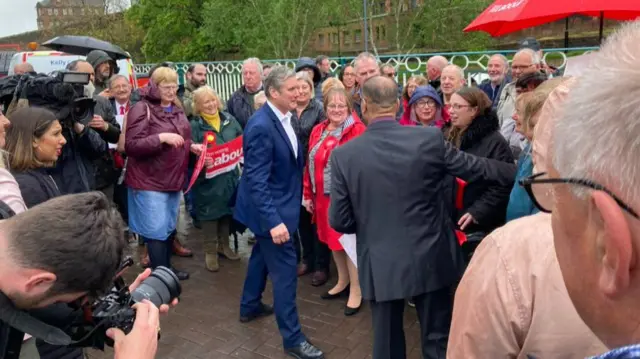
[(593, 176), (387, 70), (524, 62)]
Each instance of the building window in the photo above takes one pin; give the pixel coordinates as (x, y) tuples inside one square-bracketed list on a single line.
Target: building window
[(357, 35), (383, 32), (40, 24), (55, 11), (50, 12), (345, 37), (377, 33), (82, 11), (335, 39), (70, 11), (64, 11), (321, 39)]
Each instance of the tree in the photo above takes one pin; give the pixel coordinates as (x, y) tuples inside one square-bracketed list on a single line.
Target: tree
[(170, 25), (268, 28)]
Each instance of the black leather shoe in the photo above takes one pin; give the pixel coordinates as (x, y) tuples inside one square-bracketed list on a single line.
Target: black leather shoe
[(264, 311), (348, 311), (305, 351), (343, 293), (180, 274)]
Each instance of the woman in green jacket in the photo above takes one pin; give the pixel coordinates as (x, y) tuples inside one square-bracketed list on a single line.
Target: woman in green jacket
[(211, 195)]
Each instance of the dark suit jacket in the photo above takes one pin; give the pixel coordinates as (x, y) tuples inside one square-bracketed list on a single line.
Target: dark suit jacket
[(270, 189), (387, 188)]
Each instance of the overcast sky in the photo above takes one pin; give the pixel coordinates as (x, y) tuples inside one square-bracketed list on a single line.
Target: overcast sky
[(17, 16)]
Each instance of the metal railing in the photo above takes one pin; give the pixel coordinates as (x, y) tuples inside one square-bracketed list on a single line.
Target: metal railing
[(226, 77)]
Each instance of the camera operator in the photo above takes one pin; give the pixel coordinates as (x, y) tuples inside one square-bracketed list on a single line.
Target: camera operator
[(104, 122), (35, 275)]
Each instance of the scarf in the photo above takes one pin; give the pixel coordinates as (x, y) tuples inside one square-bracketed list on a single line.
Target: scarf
[(212, 120)]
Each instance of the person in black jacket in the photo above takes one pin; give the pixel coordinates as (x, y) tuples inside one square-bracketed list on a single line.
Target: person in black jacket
[(34, 274), (476, 130), (386, 188), (35, 142)]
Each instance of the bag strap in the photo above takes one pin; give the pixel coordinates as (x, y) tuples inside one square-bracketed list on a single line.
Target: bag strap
[(126, 160)]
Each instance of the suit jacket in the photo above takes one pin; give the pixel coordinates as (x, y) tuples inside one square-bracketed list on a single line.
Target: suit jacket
[(387, 188), (270, 189)]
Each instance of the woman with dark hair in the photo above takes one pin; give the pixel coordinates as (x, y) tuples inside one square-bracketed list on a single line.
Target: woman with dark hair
[(35, 142), (347, 75), (476, 130)]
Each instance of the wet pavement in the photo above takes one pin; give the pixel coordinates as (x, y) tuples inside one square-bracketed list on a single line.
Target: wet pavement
[(205, 324)]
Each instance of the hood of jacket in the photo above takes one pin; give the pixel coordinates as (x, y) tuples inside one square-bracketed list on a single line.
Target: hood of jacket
[(98, 57), (309, 63), (425, 91), (481, 126)]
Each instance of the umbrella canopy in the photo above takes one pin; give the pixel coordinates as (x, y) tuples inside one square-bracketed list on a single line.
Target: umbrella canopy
[(506, 16), (82, 45)]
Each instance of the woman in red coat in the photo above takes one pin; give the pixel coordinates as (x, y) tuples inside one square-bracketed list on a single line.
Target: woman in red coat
[(339, 128)]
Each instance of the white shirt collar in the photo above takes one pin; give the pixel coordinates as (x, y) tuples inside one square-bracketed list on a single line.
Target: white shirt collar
[(281, 116)]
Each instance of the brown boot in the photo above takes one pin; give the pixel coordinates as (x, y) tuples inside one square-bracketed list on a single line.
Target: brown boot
[(211, 262), (181, 251), (211, 255), (144, 256), (225, 250)]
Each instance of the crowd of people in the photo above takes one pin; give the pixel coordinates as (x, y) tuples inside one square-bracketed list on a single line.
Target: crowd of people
[(505, 213)]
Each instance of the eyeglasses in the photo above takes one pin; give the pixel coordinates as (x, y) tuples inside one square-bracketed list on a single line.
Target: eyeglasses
[(457, 106), (539, 188), (168, 88), (336, 107), (427, 103)]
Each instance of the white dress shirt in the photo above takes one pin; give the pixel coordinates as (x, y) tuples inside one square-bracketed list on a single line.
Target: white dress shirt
[(120, 108), (285, 119)]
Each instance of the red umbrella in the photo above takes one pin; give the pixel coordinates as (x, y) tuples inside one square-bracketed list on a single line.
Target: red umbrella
[(506, 16)]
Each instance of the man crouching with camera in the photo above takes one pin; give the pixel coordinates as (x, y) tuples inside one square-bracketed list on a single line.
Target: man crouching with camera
[(69, 250)]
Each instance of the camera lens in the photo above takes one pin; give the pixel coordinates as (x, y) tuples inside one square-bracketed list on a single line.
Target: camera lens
[(161, 287)]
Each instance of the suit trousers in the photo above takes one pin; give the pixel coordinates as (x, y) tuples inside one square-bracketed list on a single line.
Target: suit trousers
[(279, 263), (315, 254), (434, 314)]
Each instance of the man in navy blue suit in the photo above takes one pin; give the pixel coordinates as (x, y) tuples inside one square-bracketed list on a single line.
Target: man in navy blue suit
[(268, 203)]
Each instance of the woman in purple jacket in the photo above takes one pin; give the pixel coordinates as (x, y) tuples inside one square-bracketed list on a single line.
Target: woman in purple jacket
[(157, 143)]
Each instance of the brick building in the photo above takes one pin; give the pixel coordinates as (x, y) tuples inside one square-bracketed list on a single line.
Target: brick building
[(55, 13)]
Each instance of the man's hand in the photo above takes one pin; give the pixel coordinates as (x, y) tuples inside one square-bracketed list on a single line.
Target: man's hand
[(105, 93), (171, 139), (98, 123), (164, 309), (142, 341), (466, 220), (308, 204), (280, 234), (208, 162), (78, 127)]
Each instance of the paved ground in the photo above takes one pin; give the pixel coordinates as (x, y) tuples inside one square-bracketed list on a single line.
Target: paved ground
[(205, 324)]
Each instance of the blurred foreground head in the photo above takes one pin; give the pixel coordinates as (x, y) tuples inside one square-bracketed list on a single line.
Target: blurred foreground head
[(594, 155), (60, 250)]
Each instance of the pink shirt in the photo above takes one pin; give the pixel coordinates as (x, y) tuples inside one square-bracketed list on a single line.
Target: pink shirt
[(10, 192)]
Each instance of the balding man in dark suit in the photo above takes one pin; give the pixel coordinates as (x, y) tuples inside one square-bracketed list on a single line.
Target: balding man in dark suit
[(387, 189)]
